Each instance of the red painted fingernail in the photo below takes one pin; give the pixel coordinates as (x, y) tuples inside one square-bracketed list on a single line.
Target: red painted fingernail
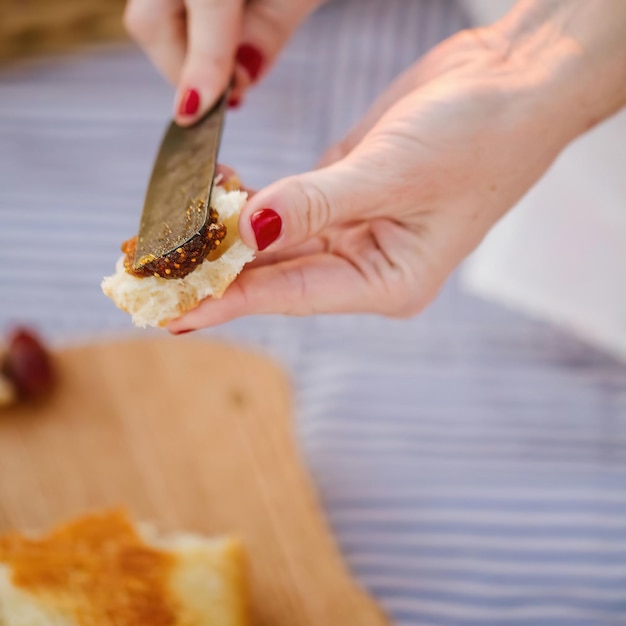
[(266, 225), (251, 58), (184, 332), (189, 103), (234, 103)]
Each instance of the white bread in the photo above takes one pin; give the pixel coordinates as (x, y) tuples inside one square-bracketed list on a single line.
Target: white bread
[(154, 301), (205, 585)]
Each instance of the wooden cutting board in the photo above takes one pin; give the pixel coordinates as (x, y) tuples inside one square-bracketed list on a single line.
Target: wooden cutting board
[(191, 435)]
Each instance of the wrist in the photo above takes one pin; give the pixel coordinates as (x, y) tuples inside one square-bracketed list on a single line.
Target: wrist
[(571, 55)]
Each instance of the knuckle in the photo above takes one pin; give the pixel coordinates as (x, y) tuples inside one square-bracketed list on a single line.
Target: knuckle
[(135, 20), (207, 5), (336, 153), (206, 67), (270, 19), (296, 281), (317, 210), (208, 61), (147, 21), (296, 299)]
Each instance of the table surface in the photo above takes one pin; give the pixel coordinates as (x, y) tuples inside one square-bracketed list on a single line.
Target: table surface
[(212, 453), (472, 461)]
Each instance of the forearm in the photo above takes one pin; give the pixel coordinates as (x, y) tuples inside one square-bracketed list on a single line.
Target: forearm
[(580, 45)]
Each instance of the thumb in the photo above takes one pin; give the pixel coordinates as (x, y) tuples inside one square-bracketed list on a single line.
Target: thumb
[(213, 29), (298, 208)]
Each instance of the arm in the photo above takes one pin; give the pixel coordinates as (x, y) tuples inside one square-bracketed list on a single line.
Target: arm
[(580, 46), (452, 145)]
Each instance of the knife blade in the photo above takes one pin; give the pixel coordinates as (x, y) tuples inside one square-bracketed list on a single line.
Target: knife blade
[(176, 206)]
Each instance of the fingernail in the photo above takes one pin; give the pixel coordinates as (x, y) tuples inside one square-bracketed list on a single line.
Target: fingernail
[(183, 332), (234, 103), (189, 103), (251, 58), (266, 225)]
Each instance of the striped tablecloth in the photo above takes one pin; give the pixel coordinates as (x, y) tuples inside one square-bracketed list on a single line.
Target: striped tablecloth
[(472, 462)]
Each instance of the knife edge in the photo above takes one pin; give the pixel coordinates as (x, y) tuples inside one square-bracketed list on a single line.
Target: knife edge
[(176, 205)]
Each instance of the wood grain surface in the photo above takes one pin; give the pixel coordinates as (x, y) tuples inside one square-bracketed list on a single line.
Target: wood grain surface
[(191, 435), (53, 26)]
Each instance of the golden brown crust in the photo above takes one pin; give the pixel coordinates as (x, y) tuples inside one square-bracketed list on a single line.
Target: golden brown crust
[(232, 184), (99, 568)]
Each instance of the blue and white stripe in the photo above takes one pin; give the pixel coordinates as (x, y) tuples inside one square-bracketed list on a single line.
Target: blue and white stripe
[(472, 462)]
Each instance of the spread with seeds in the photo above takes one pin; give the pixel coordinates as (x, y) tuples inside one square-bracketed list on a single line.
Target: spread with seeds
[(183, 260)]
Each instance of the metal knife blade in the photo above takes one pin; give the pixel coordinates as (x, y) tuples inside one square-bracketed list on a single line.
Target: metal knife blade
[(176, 206)]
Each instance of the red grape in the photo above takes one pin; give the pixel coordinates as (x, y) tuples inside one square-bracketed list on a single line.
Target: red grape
[(28, 364)]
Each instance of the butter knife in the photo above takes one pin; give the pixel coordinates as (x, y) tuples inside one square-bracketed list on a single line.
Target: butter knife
[(176, 206)]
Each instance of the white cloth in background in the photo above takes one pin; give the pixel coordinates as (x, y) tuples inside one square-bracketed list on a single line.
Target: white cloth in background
[(561, 254), (472, 462)]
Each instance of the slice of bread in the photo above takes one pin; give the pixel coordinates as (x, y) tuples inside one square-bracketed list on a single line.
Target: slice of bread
[(100, 570), (154, 301)]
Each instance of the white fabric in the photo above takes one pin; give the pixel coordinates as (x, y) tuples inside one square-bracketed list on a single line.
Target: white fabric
[(561, 254)]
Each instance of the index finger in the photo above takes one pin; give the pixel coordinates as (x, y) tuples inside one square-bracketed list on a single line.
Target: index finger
[(213, 32)]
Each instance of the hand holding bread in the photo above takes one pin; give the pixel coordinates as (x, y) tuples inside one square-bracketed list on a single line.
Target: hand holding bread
[(155, 300), (451, 146)]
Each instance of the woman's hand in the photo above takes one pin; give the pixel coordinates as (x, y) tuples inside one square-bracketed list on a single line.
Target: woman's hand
[(200, 44), (451, 146)]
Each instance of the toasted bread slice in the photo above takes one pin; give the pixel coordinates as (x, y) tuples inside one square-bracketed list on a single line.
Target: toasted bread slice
[(100, 570)]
